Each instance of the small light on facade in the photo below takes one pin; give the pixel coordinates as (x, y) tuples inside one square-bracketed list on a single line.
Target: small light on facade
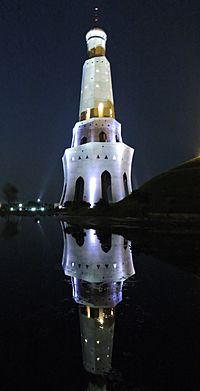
[(85, 340), (33, 209), (20, 209), (20, 205), (97, 85), (100, 109), (98, 358), (97, 70), (107, 355), (98, 342), (38, 200), (114, 265), (42, 209), (72, 264), (11, 209), (60, 207)]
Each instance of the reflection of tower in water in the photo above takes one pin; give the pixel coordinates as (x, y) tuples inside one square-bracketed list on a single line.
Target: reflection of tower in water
[(98, 262)]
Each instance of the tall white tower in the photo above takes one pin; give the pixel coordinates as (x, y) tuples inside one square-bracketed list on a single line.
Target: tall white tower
[(98, 164)]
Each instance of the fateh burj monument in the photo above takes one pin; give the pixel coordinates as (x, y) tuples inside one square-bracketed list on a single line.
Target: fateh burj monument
[(98, 164)]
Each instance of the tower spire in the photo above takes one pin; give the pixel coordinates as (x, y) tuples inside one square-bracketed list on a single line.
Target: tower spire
[(96, 16)]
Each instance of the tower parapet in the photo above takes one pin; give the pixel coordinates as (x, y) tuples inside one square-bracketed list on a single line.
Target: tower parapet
[(98, 164)]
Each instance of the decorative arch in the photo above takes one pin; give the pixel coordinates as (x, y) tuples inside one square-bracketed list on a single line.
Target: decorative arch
[(106, 186), (102, 137), (84, 140), (79, 189), (126, 192)]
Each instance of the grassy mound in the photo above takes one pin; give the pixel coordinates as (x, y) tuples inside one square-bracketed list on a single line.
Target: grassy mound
[(174, 191)]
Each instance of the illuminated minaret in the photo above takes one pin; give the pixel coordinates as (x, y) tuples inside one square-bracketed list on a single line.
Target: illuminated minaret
[(98, 263), (98, 164)]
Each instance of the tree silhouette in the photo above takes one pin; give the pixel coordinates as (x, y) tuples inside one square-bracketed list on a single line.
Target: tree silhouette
[(10, 192)]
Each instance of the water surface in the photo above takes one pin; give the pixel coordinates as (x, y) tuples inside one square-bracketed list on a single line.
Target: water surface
[(60, 284)]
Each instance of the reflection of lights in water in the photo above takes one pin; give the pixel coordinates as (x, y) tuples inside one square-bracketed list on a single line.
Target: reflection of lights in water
[(92, 235), (88, 311)]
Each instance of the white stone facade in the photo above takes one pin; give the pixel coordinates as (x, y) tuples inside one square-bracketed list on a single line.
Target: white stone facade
[(98, 164)]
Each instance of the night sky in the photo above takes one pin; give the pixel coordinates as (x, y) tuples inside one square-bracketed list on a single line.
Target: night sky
[(154, 51)]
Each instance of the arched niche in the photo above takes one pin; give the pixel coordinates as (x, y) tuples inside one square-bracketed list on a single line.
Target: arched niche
[(126, 192), (106, 186), (83, 140), (79, 189), (102, 137)]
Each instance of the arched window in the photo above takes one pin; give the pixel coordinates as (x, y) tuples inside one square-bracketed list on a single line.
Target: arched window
[(102, 137), (106, 186), (79, 190), (126, 192), (84, 140)]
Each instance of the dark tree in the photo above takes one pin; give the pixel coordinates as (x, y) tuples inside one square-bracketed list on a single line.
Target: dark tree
[(10, 192)]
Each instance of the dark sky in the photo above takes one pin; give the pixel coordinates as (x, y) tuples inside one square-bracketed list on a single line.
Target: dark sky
[(154, 51)]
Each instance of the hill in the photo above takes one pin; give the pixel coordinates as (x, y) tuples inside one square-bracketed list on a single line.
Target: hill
[(174, 191)]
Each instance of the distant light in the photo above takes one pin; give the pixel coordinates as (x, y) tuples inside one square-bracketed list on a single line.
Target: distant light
[(11, 209), (98, 358), (20, 205), (98, 342), (72, 264), (38, 200), (60, 207), (42, 209), (86, 340), (38, 221), (33, 209), (20, 209), (107, 355)]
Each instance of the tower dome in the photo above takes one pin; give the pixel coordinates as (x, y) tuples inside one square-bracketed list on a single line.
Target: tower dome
[(96, 42)]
